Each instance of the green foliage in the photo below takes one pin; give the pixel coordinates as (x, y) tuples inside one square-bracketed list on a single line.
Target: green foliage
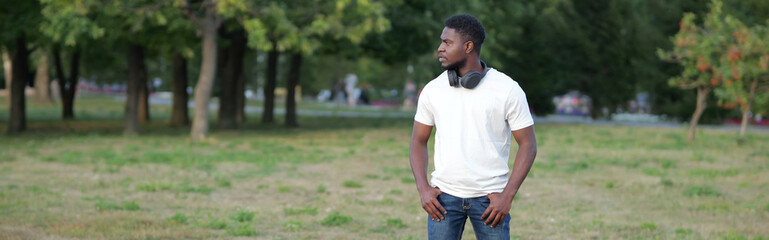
[(299, 26), (19, 18), (321, 188), (69, 23), (745, 65), (336, 219)]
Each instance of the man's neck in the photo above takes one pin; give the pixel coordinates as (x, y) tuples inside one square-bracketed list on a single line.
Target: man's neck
[(473, 64)]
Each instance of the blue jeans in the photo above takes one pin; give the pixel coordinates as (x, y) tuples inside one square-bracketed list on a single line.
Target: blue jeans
[(459, 209)]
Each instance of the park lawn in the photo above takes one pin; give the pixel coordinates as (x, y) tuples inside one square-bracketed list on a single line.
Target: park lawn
[(349, 178)]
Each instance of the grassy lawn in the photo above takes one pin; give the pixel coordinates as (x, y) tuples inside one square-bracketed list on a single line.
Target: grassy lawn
[(347, 178)]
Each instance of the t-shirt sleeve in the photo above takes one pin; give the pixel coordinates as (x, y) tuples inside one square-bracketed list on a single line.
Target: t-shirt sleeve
[(424, 113), (517, 112)]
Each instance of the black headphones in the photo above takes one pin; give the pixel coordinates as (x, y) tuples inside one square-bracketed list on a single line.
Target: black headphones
[(470, 80)]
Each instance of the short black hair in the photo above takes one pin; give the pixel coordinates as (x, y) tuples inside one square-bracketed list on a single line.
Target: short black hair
[(469, 27)]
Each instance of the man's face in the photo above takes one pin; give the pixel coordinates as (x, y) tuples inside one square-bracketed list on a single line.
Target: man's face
[(451, 52)]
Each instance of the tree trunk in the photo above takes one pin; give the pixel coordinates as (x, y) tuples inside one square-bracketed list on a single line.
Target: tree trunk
[(269, 89), (20, 68), (746, 109), (293, 81), (42, 82), (702, 94), (67, 86), (135, 73), (144, 94), (239, 42), (179, 115), (240, 112), (232, 70), (8, 70), (208, 27)]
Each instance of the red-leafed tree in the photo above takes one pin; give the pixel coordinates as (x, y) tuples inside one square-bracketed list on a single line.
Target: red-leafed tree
[(745, 69), (698, 50)]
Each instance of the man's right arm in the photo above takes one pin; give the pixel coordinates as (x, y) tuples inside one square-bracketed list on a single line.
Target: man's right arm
[(418, 158)]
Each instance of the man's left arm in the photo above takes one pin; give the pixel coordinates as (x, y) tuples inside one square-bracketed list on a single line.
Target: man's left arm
[(501, 202)]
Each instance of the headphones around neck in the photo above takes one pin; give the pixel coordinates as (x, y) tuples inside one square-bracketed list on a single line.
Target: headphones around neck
[(470, 80)]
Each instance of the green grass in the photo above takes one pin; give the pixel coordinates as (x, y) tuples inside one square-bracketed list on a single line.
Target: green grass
[(336, 219), (216, 224), (179, 218), (352, 184), (700, 191), (307, 210), (243, 230), (349, 178), (243, 216)]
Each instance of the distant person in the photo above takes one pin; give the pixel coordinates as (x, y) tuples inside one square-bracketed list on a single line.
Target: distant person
[(363, 96), (349, 86), (410, 90), (475, 110)]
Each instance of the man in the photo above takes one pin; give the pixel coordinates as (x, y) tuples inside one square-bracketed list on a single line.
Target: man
[(475, 110)]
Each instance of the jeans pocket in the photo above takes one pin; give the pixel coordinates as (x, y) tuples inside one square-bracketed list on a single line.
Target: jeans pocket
[(484, 202)]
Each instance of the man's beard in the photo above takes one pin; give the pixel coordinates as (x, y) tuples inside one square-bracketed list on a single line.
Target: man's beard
[(455, 66)]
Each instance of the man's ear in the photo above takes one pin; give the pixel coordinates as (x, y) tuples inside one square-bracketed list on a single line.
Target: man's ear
[(469, 46)]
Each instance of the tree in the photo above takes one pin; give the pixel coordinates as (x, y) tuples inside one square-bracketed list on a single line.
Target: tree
[(179, 113), (19, 78), (207, 19), (232, 81), (69, 25), (745, 67), (42, 80), (136, 72), (298, 27), (697, 50), (18, 24), (147, 28)]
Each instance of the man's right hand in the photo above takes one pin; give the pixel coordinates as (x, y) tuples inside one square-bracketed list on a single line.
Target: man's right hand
[(430, 203)]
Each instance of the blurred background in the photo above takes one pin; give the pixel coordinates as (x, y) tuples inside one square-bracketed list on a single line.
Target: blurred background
[(595, 59), (176, 116)]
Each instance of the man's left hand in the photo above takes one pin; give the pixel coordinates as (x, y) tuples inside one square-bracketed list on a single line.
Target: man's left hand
[(498, 209)]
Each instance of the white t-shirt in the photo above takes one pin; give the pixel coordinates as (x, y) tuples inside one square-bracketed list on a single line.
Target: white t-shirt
[(473, 132)]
